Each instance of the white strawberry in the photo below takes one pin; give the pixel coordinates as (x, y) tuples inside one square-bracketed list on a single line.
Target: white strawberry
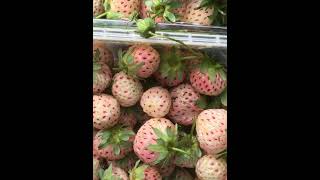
[(106, 55), (106, 111), (156, 102), (209, 168), (101, 74), (126, 89), (114, 143), (211, 127)]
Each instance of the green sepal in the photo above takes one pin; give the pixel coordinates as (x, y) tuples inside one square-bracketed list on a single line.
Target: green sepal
[(137, 173), (202, 102), (223, 97), (145, 26), (117, 137), (113, 15)]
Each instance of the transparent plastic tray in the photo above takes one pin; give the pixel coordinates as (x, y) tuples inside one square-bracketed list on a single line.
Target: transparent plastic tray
[(124, 32)]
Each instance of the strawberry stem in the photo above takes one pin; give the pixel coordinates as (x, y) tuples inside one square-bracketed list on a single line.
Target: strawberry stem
[(179, 150), (101, 15), (178, 41)]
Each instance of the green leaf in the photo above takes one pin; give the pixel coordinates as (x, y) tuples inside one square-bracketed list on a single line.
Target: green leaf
[(162, 156), (134, 16), (101, 173), (160, 134), (202, 102), (103, 144), (169, 16), (204, 67), (171, 75), (148, 3), (105, 135), (126, 144), (129, 59), (157, 148), (223, 97), (139, 172), (215, 102), (116, 149), (223, 75), (108, 173), (113, 15), (169, 132), (180, 75), (106, 5), (212, 74), (124, 137), (174, 4), (96, 67)]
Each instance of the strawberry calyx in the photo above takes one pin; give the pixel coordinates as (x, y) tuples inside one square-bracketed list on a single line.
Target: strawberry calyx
[(126, 63), (137, 173), (189, 144), (162, 8), (211, 67), (145, 27), (166, 146), (117, 136), (213, 102), (171, 65), (107, 174)]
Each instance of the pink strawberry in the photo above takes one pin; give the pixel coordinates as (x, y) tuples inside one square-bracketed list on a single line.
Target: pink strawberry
[(113, 173), (198, 16), (126, 89), (172, 68), (106, 111), (156, 102), (144, 172), (125, 8), (155, 141), (98, 7), (208, 78), (101, 75), (106, 55), (141, 60), (184, 108), (211, 127), (181, 174), (96, 168), (208, 168), (113, 143)]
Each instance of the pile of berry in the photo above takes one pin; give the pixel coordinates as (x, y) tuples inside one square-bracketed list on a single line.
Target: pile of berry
[(158, 113)]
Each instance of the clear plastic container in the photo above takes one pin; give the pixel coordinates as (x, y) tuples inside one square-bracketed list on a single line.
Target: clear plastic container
[(124, 32)]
